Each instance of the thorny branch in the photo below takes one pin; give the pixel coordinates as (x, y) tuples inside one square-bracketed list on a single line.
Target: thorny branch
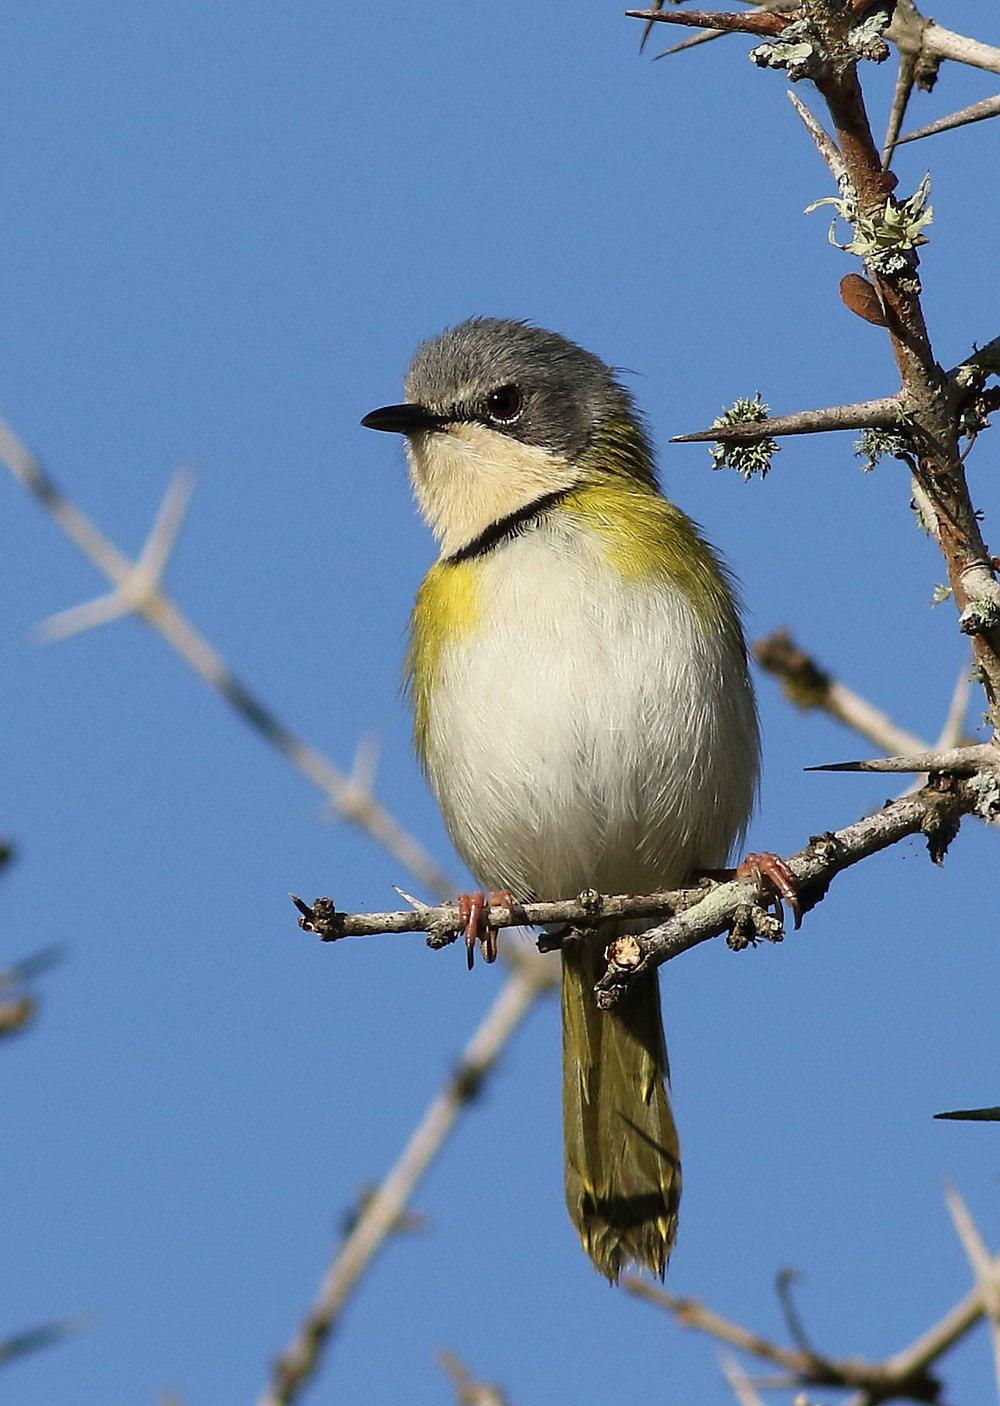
[(904, 1376), (695, 915), (823, 42), (470, 1391)]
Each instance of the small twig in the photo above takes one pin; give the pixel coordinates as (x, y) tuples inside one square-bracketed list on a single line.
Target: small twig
[(45, 1335), (743, 1388), (470, 1391), (906, 78), (976, 112), (973, 1115), (981, 1263), (300, 1361), (783, 1282), (825, 144), (883, 413)]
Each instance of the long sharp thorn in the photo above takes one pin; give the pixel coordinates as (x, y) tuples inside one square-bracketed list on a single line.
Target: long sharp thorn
[(978, 112), (905, 79), (972, 1115)]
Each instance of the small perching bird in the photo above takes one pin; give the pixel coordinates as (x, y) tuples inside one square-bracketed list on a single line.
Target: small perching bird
[(582, 707)]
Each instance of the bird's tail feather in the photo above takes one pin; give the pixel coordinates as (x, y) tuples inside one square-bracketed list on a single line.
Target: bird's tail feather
[(623, 1174)]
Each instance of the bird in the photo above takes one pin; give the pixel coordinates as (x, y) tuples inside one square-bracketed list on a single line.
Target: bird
[(583, 711)]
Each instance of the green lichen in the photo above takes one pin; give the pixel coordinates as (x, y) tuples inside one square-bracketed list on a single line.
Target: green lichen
[(866, 39), (985, 787), (940, 594), (875, 444), (798, 49), (748, 457), (886, 238)]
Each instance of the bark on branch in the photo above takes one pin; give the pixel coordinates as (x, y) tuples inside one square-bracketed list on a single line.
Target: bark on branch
[(693, 915)]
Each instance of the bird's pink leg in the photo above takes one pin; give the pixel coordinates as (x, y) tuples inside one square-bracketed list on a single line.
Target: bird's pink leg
[(769, 871), (474, 915)]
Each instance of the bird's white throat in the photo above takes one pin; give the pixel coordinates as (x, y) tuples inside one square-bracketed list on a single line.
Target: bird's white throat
[(468, 476)]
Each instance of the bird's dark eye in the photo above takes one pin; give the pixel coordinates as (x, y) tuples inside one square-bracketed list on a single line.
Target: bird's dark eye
[(505, 404)]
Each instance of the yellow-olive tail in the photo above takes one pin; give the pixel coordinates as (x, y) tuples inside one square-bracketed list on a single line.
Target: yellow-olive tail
[(623, 1171)]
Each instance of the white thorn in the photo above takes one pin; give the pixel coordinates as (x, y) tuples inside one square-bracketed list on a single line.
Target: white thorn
[(743, 1388), (169, 519), (86, 616), (954, 723)]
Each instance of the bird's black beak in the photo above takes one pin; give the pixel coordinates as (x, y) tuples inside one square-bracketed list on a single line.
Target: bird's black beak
[(402, 419)]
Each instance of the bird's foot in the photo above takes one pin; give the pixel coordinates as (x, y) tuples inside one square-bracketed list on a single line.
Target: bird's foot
[(474, 916), (771, 872)]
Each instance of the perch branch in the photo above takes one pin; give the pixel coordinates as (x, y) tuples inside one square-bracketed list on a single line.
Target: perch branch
[(695, 915), (935, 811)]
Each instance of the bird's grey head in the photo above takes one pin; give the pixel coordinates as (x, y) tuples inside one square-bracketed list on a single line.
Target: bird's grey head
[(498, 412)]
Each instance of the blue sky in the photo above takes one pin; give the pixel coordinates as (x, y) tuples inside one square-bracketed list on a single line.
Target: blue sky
[(227, 227)]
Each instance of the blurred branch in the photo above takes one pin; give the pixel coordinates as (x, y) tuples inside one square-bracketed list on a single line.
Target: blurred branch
[(16, 1015), (905, 1376), (301, 1359), (138, 590), (973, 1115), (808, 685), (21, 1344), (743, 1388), (981, 1263), (470, 1391), (17, 1011)]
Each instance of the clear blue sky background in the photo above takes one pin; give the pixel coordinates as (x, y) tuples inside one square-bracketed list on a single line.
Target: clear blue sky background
[(226, 228)]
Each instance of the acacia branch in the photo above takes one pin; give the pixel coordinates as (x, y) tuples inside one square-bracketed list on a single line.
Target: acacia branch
[(884, 413), (904, 1376), (935, 811), (693, 915), (761, 22), (975, 112)]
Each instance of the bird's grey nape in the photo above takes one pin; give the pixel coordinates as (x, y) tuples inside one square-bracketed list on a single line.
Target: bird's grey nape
[(565, 392)]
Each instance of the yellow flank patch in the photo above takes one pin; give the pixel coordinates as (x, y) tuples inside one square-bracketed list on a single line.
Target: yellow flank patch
[(644, 536), (446, 612)]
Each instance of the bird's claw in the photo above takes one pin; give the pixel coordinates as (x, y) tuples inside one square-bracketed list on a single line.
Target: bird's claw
[(474, 919), (771, 872)]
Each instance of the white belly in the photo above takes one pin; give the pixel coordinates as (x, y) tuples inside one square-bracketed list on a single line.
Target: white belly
[(592, 732)]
